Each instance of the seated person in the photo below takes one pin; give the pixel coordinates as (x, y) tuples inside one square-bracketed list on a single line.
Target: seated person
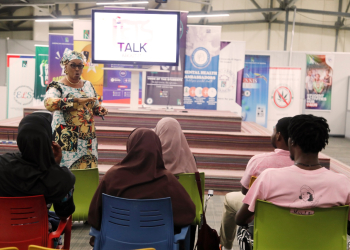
[(177, 155), (257, 164), (142, 175), (305, 184), (35, 170)]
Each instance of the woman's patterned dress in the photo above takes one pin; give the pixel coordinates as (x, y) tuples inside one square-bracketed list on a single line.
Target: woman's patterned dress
[(73, 125)]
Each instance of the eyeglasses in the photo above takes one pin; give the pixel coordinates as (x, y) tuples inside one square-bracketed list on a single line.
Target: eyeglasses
[(74, 66)]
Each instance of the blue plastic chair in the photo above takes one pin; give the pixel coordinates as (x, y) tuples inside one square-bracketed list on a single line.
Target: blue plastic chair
[(133, 224)]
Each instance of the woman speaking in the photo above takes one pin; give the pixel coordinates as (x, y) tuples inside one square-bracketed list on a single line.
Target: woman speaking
[(74, 103)]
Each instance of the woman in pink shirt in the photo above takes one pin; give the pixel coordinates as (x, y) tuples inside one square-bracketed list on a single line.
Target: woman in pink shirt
[(305, 184)]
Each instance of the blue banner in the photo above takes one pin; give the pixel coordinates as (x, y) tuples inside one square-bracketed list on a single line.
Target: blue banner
[(57, 46), (117, 84), (255, 89), (201, 67)]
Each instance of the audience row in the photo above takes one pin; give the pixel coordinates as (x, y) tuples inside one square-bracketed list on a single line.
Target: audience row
[(291, 176)]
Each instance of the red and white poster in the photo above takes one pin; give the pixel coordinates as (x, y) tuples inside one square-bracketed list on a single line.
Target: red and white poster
[(284, 94)]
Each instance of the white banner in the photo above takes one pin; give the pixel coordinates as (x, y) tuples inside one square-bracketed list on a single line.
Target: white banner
[(284, 94), (232, 55), (82, 30), (3, 102), (21, 79)]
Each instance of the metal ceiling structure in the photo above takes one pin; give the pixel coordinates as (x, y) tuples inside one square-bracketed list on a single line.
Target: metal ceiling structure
[(9, 22)]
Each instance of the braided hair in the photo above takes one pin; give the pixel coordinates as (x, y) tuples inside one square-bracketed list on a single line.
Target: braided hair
[(309, 132)]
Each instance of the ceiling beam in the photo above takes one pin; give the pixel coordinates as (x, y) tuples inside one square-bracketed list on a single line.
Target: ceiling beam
[(323, 12), (48, 2), (258, 7), (234, 22), (283, 8), (347, 9), (31, 29), (239, 11), (31, 18), (196, 1)]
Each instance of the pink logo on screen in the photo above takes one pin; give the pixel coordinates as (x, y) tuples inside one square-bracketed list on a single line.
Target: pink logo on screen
[(117, 22), (132, 47)]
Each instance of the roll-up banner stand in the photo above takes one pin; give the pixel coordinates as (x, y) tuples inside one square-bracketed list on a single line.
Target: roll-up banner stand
[(201, 67), (20, 83)]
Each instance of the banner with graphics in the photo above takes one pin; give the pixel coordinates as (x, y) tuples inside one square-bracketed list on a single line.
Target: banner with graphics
[(117, 84), (58, 44), (318, 81), (163, 88), (82, 43), (92, 72), (20, 84), (284, 94), (255, 89), (232, 54), (201, 67), (41, 74)]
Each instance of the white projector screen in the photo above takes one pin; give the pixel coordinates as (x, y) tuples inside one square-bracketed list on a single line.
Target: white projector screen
[(135, 37)]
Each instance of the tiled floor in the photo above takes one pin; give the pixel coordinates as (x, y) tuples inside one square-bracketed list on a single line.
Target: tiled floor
[(338, 148)]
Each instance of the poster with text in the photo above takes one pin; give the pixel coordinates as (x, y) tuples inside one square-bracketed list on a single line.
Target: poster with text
[(92, 72), (117, 84), (41, 74), (318, 82), (284, 97), (58, 44), (255, 89), (232, 55), (163, 88), (20, 82), (201, 67)]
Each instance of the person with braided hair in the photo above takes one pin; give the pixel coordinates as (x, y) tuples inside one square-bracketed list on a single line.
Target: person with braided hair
[(305, 184)]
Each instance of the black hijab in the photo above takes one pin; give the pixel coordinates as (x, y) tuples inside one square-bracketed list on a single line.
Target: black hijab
[(34, 171)]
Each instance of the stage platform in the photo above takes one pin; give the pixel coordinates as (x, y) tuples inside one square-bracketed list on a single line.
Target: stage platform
[(252, 138), (208, 120), (222, 155)]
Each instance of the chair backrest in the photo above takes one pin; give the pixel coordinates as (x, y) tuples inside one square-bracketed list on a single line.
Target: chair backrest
[(9, 248), (188, 181), (86, 184), (289, 228), (23, 221), (34, 247), (133, 224)]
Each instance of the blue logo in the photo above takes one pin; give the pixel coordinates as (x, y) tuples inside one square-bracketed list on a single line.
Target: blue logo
[(200, 58)]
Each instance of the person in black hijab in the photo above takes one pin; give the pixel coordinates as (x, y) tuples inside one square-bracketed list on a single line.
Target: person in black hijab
[(35, 169)]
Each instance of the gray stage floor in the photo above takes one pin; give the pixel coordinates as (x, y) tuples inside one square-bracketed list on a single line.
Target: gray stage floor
[(338, 148)]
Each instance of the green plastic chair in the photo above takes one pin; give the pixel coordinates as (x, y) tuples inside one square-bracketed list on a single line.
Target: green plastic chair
[(188, 181), (281, 229), (86, 183)]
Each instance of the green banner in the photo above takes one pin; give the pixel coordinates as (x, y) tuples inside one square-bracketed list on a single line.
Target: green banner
[(41, 72)]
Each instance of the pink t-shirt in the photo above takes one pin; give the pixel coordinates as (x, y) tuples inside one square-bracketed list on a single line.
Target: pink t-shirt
[(297, 188), (258, 163)]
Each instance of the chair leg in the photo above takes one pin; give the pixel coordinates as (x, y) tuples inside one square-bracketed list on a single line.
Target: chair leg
[(67, 234), (187, 241)]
